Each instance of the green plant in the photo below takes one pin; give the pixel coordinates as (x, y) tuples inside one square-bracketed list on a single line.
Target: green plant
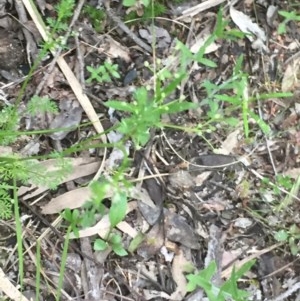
[(39, 105), (96, 15), (95, 208), (291, 236), (227, 291), (288, 16), (64, 10), (142, 116), (6, 203), (145, 112), (103, 73), (114, 241)]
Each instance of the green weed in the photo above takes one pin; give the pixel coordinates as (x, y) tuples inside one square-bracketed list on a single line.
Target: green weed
[(103, 73), (96, 15), (227, 291), (142, 116), (288, 16)]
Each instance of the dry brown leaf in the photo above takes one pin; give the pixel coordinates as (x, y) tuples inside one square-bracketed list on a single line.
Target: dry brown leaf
[(72, 199), (230, 143), (293, 173), (76, 198), (81, 168), (290, 80), (247, 26), (114, 49), (178, 273)]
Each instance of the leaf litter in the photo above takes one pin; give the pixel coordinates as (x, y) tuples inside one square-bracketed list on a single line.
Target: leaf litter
[(206, 208)]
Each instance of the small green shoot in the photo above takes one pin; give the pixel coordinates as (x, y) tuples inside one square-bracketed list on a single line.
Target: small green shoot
[(228, 290), (288, 16), (114, 241), (41, 105), (103, 73), (290, 236), (145, 113), (96, 15)]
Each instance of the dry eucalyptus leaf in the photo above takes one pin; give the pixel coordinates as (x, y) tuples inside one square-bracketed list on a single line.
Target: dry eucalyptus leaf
[(81, 167), (178, 272), (272, 13), (114, 49), (76, 198), (247, 26), (5, 150), (291, 76), (72, 199)]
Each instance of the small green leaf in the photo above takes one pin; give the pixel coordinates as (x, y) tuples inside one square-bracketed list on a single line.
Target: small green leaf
[(263, 126), (232, 121), (117, 211), (294, 229), (100, 245), (119, 250), (202, 279), (129, 2), (173, 85), (281, 28), (134, 244), (227, 98), (115, 239), (207, 62), (294, 249), (141, 96), (281, 235)]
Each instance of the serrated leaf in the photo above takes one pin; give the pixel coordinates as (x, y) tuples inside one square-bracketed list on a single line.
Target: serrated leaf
[(141, 96), (281, 235)]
